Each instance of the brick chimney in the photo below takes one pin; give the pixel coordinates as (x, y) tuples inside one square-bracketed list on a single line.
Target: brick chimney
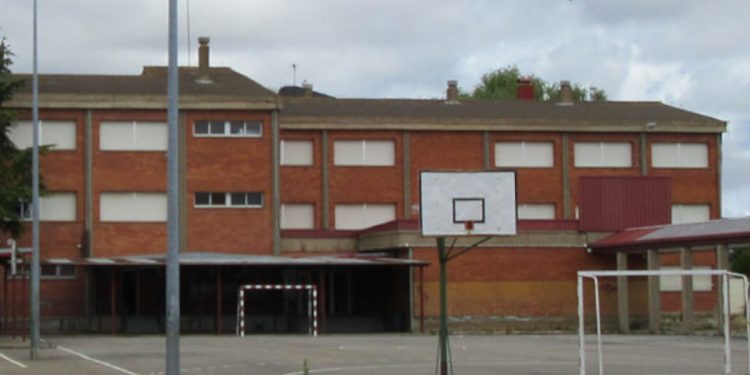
[(525, 89), (308, 90), (451, 94), (203, 60), (566, 93)]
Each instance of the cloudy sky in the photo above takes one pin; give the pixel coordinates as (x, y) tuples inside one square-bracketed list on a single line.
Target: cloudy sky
[(693, 54)]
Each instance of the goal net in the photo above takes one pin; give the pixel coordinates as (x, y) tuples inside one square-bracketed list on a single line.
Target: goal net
[(595, 276), (312, 302)]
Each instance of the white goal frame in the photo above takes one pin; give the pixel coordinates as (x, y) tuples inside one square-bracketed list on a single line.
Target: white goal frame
[(595, 275), (312, 303)]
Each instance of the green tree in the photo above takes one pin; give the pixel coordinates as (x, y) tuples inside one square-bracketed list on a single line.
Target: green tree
[(15, 164), (740, 261), (502, 84)]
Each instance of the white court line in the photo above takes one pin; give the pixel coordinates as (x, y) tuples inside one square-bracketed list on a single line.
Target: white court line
[(120, 369), (5, 357)]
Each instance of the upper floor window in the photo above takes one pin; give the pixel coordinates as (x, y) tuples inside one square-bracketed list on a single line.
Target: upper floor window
[(536, 211), (690, 213), (297, 216), (679, 155), (296, 152), (364, 152), (133, 206), (363, 215), (59, 135), (52, 207), (133, 136), (234, 128), (524, 154), (603, 155), (232, 199)]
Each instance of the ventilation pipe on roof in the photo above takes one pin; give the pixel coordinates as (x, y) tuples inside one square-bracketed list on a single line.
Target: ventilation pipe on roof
[(308, 87), (566, 93), (203, 60), (451, 94), (525, 89)]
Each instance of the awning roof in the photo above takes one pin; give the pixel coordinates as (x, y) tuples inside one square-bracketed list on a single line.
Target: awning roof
[(223, 259), (715, 232)]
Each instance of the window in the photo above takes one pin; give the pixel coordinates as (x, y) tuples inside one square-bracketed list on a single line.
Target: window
[(536, 211), (58, 271), (360, 216), (52, 207), (690, 213), (236, 128), (133, 207), (59, 135), (603, 155), (297, 216), (133, 136), (296, 152), (674, 283), (524, 154), (679, 155), (364, 152), (224, 199)]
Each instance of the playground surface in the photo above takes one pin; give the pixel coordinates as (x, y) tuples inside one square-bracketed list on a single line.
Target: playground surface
[(371, 354)]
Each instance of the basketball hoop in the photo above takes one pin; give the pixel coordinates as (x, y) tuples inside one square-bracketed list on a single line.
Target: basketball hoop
[(469, 227)]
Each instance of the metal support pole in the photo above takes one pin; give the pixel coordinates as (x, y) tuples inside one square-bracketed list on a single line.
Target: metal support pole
[(623, 308), (34, 274), (443, 340), (173, 203), (218, 301), (581, 329), (421, 299), (113, 302)]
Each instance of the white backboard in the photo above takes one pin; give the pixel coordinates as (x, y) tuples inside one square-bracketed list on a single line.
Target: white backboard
[(449, 199)]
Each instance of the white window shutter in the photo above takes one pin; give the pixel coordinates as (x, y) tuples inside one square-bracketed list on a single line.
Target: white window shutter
[(150, 136), (297, 216), (348, 152), (296, 152)]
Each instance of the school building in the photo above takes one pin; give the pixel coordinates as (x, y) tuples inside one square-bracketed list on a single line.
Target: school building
[(300, 188)]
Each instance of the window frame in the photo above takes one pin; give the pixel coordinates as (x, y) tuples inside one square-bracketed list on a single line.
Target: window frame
[(134, 145), (283, 162), (227, 125), (363, 162), (25, 208), (52, 146), (58, 275), (133, 196), (546, 204), (283, 207), (678, 146), (600, 164), (228, 199), (523, 147)]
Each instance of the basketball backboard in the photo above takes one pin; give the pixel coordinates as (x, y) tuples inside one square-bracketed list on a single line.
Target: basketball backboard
[(468, 203)]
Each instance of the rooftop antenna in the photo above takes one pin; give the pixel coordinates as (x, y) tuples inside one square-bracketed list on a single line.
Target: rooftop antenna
[(294, 74), (187, 17)]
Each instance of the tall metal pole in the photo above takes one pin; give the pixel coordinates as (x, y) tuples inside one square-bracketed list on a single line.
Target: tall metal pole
[(173, 209), (34, 290), (443, 340)]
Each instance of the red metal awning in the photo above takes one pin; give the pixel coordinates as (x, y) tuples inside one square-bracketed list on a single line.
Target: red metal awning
[(715, 232)]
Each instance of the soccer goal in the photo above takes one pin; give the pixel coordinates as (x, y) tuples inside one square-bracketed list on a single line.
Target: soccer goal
[(595, 275), (312, 303)]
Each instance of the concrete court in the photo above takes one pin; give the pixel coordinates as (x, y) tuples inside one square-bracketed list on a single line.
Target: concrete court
[(372, 354)]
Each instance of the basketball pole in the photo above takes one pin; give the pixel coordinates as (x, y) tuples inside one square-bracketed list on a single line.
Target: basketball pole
[(443, 258)]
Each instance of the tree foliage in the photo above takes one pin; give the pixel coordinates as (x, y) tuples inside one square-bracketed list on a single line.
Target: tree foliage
[(502, 84), (15, 164), (740, 261)]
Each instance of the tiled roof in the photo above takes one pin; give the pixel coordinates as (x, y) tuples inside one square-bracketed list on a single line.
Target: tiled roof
[(152, 81), (296, 109)]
